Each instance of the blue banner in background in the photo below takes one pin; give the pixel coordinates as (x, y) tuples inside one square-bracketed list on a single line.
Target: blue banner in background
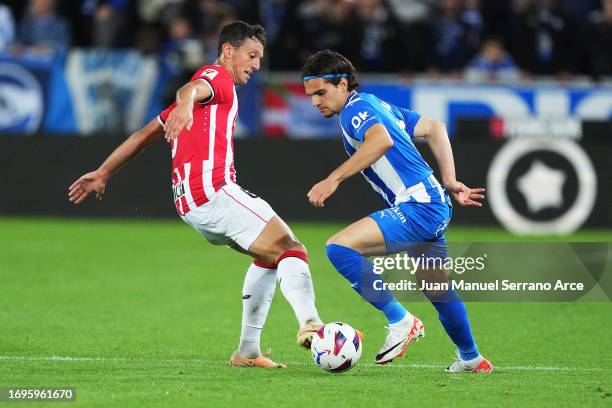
[(85, 92), (288, 111), (31, 94), (113, 91), (116, 92)]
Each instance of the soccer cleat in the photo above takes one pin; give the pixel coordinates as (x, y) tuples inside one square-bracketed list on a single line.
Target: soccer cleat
[(304, 335), (398, 339), (262, 361), (479, 366)]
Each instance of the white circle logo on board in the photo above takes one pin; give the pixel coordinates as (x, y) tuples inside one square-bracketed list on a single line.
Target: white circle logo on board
[(21, 100), (541, 187)]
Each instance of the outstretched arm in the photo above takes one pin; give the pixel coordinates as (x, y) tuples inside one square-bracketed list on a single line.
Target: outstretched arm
[(130, 148), (375, 143), (182, 115), (437, 138)]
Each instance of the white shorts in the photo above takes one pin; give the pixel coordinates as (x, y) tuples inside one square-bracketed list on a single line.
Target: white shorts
[(232, 215)]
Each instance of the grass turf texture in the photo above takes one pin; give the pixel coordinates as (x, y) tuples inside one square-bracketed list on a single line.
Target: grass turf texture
[(135, 313)]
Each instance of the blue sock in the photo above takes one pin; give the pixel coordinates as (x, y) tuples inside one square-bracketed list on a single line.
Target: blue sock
[(358, 270), (453, 316)]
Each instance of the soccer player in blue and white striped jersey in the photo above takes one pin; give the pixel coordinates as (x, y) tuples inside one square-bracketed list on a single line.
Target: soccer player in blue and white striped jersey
[(378, 137)]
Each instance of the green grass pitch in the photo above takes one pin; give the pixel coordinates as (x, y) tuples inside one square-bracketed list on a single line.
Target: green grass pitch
[(146, 314)]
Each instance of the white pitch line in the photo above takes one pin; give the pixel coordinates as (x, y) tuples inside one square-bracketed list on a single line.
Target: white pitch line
[(298, 363)]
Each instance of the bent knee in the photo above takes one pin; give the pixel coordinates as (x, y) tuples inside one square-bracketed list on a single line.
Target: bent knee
[(292, 244), (287, 243), (337, 239), (343, 240)]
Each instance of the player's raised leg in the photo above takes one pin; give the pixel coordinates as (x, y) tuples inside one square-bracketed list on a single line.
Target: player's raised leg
[(244, 221), (278, 246), (347, 251)]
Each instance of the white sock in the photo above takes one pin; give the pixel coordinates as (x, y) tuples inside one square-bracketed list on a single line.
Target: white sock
[(257, 293), (473, 363), (296, 284), (407, 321)]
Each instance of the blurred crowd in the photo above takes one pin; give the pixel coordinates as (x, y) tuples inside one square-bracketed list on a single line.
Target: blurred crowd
[(479, 40)]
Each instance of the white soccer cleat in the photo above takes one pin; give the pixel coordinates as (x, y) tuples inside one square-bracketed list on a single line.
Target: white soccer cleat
[(398, 339), (478, 365), (305, 334)]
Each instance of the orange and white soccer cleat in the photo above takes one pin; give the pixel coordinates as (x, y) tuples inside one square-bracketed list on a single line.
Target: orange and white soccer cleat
[(479, 365), (398, 339), (262, 361)]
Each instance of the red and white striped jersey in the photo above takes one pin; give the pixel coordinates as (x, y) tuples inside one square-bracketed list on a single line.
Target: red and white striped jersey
[(203, 157)]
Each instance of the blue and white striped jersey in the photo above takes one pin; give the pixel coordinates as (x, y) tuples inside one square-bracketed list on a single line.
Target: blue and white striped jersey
[(401, 174)]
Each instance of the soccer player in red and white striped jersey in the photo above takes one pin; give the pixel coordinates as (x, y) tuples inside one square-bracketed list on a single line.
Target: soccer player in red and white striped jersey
[(199, 126), (203, 157)]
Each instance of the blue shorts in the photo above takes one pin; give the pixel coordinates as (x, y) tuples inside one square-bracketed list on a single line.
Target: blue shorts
[(414, 226)]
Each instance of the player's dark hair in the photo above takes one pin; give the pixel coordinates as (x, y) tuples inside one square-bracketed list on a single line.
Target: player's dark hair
[(331, 63), (237, 32)]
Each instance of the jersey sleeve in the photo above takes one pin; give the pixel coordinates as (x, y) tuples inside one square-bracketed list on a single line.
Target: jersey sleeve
[(356, 118), (220, 82), (163, 116), (411, 119)]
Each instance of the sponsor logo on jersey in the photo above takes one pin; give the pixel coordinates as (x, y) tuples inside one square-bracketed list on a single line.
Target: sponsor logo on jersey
[(210, 73), (178, 190), (362, 117)]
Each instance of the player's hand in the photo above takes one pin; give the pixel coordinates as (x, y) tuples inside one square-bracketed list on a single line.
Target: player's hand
[(464, 195), (321, 191), (86, 184), (180, 118)]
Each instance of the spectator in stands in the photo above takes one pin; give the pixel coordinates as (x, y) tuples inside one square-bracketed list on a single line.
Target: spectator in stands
[(580, 9), (7, 28), (151, 11), (343, 27), (456, 32), (210, 35), (600, 41), (492, 64), (378, 35), (112, 23), (269, 13), (472, 20), (497, 17), (209, 13), (42, 31), (412, 11), (310, 26), (414, 17), (542, 42), (182, 55)]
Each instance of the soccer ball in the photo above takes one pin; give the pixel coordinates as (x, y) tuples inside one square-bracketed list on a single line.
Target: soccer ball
[(336, 347)]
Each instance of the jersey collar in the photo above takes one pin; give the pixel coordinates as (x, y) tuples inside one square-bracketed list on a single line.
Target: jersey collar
[(349, 98)]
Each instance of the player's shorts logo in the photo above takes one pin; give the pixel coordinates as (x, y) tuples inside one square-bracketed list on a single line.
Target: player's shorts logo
[(538, 187), (21, 100), (399, 214), (442, 227)]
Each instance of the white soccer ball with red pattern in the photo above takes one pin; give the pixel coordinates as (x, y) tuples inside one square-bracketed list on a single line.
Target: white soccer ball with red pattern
[(336, 347)]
